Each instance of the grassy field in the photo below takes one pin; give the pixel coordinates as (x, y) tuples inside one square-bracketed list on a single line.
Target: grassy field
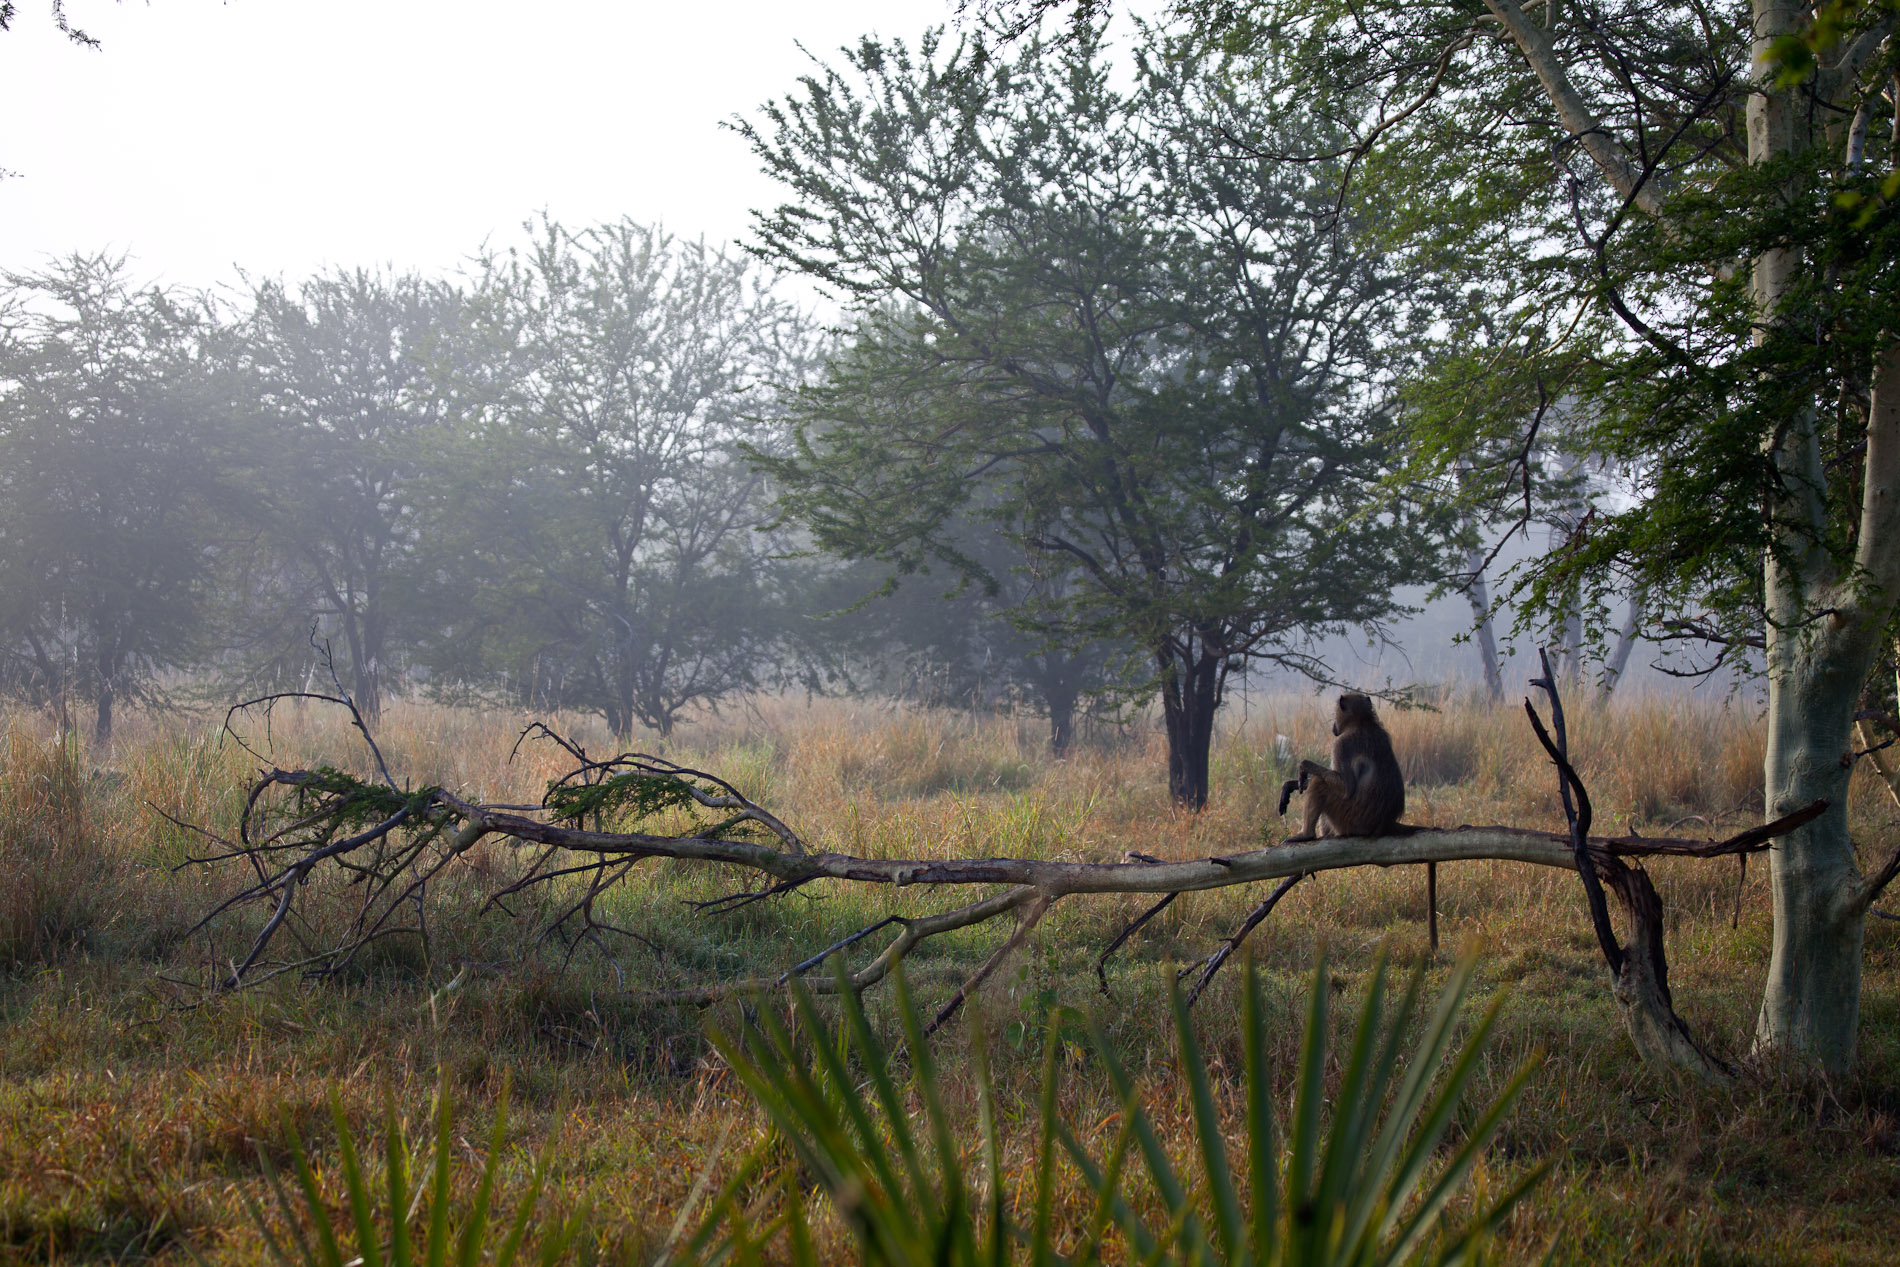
[(134, 1104)]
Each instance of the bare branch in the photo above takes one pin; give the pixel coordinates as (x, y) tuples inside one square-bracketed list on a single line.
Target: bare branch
[(1212, 963), (1577, 814), (1031, 916)]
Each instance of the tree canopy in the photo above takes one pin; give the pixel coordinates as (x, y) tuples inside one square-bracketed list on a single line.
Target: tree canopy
[(602, 524), (339, 376), (109, 471), (1153, 371)]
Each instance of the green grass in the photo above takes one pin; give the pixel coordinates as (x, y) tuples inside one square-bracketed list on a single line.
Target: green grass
[(134, 1111)]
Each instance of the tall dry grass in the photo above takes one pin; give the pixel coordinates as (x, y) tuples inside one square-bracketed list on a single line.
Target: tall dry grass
[(145, 1098), (58, 881)]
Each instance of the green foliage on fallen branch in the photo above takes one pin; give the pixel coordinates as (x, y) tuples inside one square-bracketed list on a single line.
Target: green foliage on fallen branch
[(354, 802), (638, 795)]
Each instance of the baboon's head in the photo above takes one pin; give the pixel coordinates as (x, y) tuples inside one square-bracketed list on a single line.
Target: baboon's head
[(1354, 710)]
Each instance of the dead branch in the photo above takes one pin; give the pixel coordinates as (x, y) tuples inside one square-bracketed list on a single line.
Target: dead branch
[(1577, 813), (1640, 971), (1212, 963), (1031, 916), (587, 836), (1132, 927)]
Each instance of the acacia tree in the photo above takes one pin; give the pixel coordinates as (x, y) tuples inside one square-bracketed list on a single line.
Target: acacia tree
[(109, 476), (1149, 370), (339, 375), (1684, 216), (609, 378)]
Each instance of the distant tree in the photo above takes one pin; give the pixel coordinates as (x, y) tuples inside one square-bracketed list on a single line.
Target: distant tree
[(338, 375), (1151, 372), (946, 639), (109, 474), (600, 511)]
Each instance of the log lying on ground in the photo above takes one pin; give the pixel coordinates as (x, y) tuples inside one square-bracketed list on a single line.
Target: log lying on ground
[(1060, 879), (1640, 974), (394, 842)]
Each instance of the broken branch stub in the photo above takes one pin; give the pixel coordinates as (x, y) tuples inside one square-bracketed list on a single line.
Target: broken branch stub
[(586, 833), (1639, 972)]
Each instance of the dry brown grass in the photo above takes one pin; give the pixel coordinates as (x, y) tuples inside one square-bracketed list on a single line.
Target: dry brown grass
[(124, 1120)]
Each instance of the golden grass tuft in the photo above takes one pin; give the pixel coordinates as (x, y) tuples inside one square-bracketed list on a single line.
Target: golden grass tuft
[(58, 887)]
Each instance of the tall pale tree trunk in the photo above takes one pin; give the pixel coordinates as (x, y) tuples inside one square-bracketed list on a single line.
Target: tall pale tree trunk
[(1480, 599), (1823, 637), (1824, 621), (1619, 661), (1478, 594), (1810, 1005), (1824, 630), (1570, 631)]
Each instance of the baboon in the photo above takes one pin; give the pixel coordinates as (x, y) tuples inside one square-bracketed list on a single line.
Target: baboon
[(1364, 793)]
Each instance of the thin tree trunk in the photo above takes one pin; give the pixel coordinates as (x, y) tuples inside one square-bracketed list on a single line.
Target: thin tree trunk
[(1480, 599), (102, 720), (369, 690), (1573, 644), (1625, 643), (1061, 703), (1190, 692), (365, 689), (107, 662)]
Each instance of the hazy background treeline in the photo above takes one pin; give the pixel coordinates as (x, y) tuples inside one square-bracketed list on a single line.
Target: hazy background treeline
[(1095, 417), (530, 484)]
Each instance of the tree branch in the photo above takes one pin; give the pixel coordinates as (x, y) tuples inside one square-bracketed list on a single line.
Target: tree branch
[(1584, 127)]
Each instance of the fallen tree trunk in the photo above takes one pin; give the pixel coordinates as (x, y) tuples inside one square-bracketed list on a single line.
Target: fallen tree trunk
[(1059, 879), (394, 842)]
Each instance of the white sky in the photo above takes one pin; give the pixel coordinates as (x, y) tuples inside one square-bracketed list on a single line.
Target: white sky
[(284, 136)]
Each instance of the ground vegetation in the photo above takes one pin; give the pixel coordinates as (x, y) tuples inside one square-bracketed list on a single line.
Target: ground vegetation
[(131, 1122)]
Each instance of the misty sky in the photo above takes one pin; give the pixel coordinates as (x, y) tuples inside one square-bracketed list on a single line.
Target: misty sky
[(283, 136)]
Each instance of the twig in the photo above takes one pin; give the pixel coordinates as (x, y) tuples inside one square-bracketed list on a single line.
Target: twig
[(1131, 928), (843, 943), (1031, 916), (1128, 930), (1214, 961)]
